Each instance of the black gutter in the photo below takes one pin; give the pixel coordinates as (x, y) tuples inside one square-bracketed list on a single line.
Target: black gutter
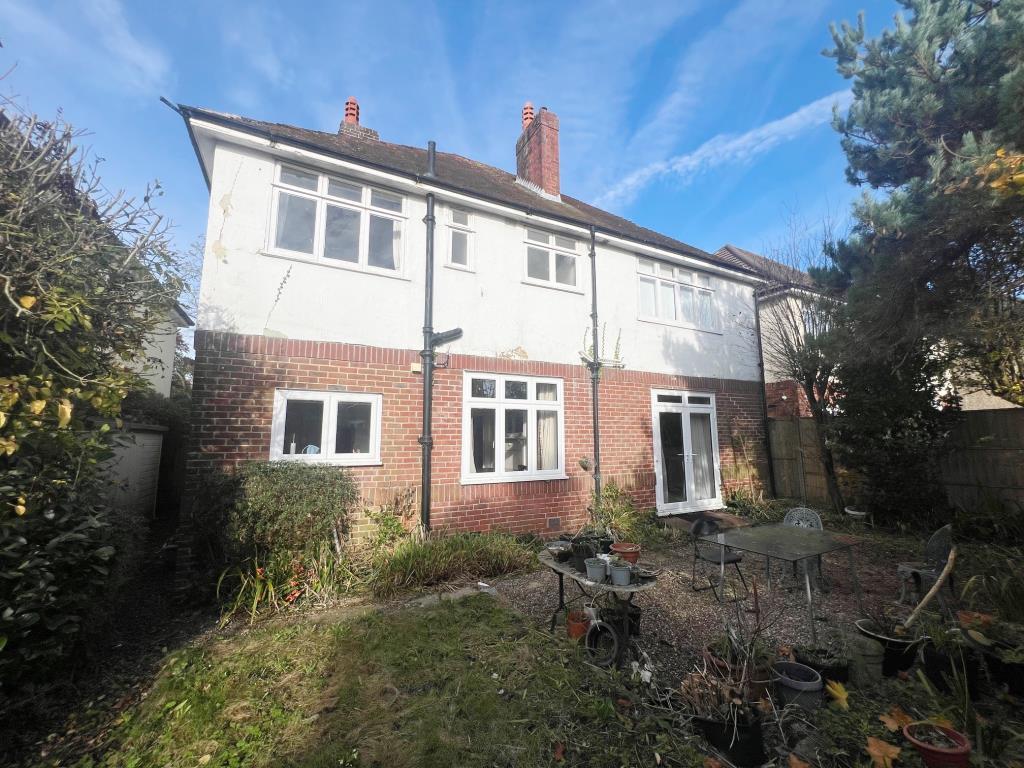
[(764, 397), (595, 372), (186, 112)]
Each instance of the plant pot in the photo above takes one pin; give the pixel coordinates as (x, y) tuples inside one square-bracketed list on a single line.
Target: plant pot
[(582, 549), (604, 544), (613, 615), (576, 624), (628, 552), (797, 684), (830, 668), (939, 666), (622, 575), (1009, 672), (899, 652), (741, 743), (597, 569), (856, 514), (940, 757)]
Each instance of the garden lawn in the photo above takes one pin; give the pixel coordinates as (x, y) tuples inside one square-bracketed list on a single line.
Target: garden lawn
[(465, 683)]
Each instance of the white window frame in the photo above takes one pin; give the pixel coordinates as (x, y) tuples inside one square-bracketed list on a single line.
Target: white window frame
[(553, 248), (328, 428), (683, 279), (499, 403), (685, 408), (467, 229), (322, 199)]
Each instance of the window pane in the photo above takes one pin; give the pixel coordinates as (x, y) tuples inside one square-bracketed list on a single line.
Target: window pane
[(386, 201), (538, 264), (565, 269), (648, 303), (666, 270), (666, 301), (341, 234), (298, 178), (460, 217), (704, 280), (683, 275), (538, 236), (345, 190), (353, 434), (698, 400), (565, 242), (482, 388), (516, 390), (296, 219), (686, 310), (705, 310), (385, 238), (670, 398), (547, 392), (646, 266), (547, 439), (515, 440), (483, 439), (460, 248), (303, 426)]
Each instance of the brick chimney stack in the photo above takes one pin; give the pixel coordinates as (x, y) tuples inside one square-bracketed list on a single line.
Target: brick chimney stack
[(350, 123), (537, 149)]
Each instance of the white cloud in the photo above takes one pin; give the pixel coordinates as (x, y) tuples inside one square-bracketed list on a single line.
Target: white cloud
[(729, 148)]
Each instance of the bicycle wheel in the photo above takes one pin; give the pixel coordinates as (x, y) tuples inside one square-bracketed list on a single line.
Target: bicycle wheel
[(603, 643)]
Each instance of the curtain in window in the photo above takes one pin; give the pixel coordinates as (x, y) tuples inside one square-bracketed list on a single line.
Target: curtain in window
[(703, 456), (547, 440)]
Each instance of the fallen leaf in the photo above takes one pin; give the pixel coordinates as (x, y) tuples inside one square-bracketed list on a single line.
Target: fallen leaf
[(903, 675), (559, 752), (796, 762), (838, 693), (711, 762), (895, 719), (882, 752), (27, 302), (205, 759), (786, 652)]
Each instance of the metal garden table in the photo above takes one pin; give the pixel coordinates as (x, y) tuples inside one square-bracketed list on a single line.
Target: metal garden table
[(791, 544), (592, 589)]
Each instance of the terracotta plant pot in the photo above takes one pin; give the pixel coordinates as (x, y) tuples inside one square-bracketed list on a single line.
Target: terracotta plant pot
[(576, 624), (940, 757), (974, 619), (628, 552)]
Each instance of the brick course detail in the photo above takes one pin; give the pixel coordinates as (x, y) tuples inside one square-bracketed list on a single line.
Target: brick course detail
[(233, 395)]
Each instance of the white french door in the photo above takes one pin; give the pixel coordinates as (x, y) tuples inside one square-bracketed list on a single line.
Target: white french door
[(686, 463)]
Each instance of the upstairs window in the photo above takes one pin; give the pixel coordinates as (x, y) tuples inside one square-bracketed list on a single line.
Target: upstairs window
[(551, 259), (677, 295), (460, 239), (326, 427), (336, 221)]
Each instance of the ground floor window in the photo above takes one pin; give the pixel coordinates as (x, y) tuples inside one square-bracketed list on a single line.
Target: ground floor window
[(512, 428), (326, 427)]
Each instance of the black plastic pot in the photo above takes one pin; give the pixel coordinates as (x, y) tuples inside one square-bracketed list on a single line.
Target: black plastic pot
[(613, 615), (836, 671), (939, 665), (582, 549), (899, 652), (745, 750), (1011, 673)]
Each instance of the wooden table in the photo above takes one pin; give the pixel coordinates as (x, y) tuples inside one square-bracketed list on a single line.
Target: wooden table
[(592, 589)]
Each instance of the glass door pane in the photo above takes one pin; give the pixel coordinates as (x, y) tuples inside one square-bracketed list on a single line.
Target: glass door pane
[(703, 456), (673, 457)]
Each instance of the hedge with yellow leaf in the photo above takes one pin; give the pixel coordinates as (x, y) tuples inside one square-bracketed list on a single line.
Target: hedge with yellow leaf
[(85, 277)]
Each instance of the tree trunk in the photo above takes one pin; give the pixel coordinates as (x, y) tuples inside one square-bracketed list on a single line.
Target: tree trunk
[(827, 462)]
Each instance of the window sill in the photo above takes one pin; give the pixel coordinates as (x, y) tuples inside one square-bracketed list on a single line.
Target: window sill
[(683, 326), (553, 286), (331, 461), (459, 267), (343, 265), (480, 480)]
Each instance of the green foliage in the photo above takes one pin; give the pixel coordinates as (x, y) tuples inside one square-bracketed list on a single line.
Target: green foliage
[(759, 509), (440, 558), (991, 519), (389, 520), (618, 514), (287, 507), (998, 584), (85, 279)]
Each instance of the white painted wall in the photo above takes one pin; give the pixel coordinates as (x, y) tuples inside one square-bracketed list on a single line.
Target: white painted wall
[(496, 309), (134, 472), (159, 350)]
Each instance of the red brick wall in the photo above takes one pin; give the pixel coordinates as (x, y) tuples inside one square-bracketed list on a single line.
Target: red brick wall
[(786, 400), (233, 394), (537, 152)]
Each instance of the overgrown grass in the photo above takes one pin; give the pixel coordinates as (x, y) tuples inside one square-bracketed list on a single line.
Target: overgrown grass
[(463, 684), (442, 558)]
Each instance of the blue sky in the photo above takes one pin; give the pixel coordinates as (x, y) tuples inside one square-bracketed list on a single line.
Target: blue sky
[(707, 121)]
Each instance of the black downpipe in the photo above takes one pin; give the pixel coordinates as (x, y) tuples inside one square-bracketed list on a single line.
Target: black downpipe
[(595, 371), (764, 397)]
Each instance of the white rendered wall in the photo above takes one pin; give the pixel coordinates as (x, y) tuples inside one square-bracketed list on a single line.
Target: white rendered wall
[(245, 290)]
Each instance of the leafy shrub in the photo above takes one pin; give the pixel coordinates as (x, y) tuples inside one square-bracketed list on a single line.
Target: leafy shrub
[(389, 519), (761, 510), (999, 586), (618, 514), (992, 519), (441, 557), (289, 508)]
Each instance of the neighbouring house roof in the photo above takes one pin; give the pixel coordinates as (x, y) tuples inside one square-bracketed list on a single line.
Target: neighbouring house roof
[(769, 269), (459, 174)]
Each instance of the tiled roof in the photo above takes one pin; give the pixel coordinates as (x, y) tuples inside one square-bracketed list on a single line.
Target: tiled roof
[(769, 269), (458, 174)]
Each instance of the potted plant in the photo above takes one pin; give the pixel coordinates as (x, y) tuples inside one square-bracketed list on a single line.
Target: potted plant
[(830, 659), (627, 551), (939, 746), (900, 644), (798, 684), (597, 569), (621, 572), (746, 661), (576, 624), (1003, 650), (945, 654), (721, 713)]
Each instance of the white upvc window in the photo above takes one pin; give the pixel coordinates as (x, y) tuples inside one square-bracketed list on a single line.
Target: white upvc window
[(337, 221), (512, 428), (551, 260), (340, 428), (677, 295), (460, 239)]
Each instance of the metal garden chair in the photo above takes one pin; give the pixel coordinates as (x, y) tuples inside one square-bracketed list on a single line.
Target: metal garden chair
[(922, 574), (805, 517), (717, 555)]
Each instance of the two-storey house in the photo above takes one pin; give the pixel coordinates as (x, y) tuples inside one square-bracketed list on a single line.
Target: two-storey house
[(311, 314)]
